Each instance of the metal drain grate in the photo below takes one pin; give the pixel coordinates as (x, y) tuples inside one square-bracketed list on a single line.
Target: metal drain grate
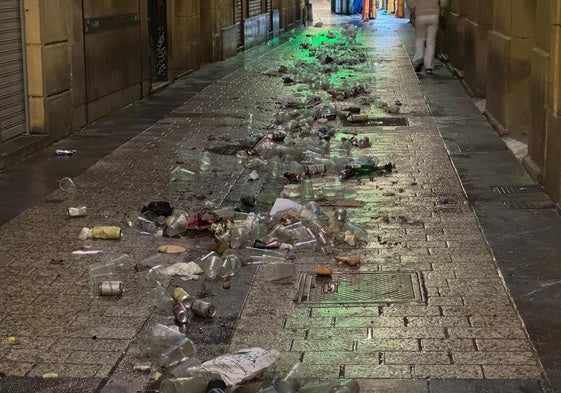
[(515, 189), (378, 122), (353, 288), (543, 204), (94, 133)]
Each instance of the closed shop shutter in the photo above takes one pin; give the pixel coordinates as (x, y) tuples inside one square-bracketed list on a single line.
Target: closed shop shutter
[(12, 82), (254, 7)]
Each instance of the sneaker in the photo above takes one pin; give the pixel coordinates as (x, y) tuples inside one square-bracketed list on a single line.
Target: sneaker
[(428, 70), (418, 65)]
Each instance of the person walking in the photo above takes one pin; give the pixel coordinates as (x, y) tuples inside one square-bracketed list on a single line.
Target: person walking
[(426, 14)]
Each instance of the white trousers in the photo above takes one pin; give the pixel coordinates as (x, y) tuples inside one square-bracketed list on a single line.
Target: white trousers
[(426, 27)]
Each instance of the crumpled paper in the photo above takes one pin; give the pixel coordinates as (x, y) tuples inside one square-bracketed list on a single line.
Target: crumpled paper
[(240, 366), (190, 269)]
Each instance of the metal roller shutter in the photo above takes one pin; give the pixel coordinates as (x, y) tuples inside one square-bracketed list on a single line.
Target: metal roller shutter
[(12, 81), (254, 7)]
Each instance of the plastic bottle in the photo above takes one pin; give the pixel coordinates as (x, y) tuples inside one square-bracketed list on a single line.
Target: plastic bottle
[(205, 161), (143, 225)]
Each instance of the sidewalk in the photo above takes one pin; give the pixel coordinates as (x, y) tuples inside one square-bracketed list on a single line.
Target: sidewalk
[(458, 217)]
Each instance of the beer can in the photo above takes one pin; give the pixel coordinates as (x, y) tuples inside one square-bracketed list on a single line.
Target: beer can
[(180, 312), (203, 309), (107, 232), (77, 211), (315, 169), (111, 288), (179, 295), (340, 214)]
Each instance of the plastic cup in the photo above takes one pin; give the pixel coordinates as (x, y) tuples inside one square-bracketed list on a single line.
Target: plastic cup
[(178, 353), (108, 268), (178, 225), (67, 185), (230, 266), (307, 192), (184, 368), (212, 265), (152, 260), (181, 174), (159, 338), (279, 271), (183, 385)]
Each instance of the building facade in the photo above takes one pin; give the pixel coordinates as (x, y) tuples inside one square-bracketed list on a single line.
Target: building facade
[(508, 51), (66, 63)]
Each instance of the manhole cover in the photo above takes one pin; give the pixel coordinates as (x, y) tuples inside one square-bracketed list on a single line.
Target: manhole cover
[(378, 121), (352, 288)]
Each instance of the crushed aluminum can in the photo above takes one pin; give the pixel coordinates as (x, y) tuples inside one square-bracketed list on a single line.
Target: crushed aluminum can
[(60, 152), (111, 288), (77, 211), (203, 309)]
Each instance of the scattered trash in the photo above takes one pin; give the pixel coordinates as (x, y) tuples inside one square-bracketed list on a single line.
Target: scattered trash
[(11, 340), (67, 185), (142, 367), (324, 271), (203, 309), (110, 288), (50, 375), (77, 211), (351, 261), (190, 269), (240, 366), (86, 252), (181, 174), (171, 249), (102, 232), (61, 152), (56, 262)]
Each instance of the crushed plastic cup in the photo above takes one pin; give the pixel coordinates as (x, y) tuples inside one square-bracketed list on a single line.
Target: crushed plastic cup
[(67, 185)]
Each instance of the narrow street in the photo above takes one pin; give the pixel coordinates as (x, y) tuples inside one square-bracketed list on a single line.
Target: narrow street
[(457, 289)]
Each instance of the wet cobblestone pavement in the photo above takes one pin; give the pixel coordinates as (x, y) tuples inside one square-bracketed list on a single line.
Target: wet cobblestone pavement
[(462, 333)]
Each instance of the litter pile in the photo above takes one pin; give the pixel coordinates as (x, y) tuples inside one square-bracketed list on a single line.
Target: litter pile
[(303, 143)]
